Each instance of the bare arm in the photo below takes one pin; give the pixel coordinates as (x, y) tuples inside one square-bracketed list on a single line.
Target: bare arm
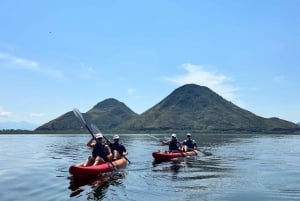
[(90, 143), (165, 142), (109, 154)]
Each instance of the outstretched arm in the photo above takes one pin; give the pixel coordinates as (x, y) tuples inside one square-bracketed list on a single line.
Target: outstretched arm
[(165, 142)]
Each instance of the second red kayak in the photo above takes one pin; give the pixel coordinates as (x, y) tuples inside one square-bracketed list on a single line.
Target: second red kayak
[(82, 172), (167, 156)]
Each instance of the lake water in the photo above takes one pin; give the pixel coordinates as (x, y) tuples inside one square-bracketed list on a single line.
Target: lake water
[(241, 167)]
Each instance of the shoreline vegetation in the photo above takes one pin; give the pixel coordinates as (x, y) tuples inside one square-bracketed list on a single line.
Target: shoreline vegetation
[(20, 131)]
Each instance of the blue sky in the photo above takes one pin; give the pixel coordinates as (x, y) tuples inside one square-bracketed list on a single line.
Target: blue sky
[(59, 55)]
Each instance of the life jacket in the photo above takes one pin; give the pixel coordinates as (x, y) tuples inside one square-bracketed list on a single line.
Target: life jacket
[(173, 145), (99, 150)]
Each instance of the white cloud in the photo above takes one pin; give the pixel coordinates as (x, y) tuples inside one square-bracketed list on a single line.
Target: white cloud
[(4, 113), (20, 62), (196, 74), (26, 64)]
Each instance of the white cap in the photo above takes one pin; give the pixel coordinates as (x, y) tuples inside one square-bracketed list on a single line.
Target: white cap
[(188, 134), (98, 135), (173, 135), (116, 137)]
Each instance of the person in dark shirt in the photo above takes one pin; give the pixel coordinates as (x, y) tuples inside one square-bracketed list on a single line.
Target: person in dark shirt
[(101, 153), (174, 144), (118, 150)]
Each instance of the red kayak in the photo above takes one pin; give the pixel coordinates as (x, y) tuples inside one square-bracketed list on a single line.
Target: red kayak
[(167, 156), (83, 172)]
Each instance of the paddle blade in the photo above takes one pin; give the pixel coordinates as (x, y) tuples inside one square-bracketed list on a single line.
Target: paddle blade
[(79, 115), (95, 128), (205, 152)]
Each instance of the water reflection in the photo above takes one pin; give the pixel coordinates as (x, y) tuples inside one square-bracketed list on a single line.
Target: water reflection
[(173, 166), (97, 186), (242, 167), (193, 168)]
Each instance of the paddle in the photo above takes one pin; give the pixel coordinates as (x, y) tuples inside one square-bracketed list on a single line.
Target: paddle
[(163, 141), (156, 138), (80, 117), (206, 153), (96, 129)]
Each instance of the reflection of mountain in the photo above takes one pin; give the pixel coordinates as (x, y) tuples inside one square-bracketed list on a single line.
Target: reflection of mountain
[(191, 108)]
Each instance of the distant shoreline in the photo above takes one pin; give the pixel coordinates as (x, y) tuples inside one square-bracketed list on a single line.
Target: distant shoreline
[(20, 131)]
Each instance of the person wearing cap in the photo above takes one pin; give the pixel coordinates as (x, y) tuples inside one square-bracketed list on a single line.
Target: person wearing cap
[(189, 144), (101, 153), (118, 150), (174, 144)]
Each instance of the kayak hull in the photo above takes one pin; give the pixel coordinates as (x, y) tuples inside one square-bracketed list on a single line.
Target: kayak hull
[(167, 156), (81, 172)]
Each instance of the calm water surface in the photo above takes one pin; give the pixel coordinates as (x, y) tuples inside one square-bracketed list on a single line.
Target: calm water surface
[(241, 167)]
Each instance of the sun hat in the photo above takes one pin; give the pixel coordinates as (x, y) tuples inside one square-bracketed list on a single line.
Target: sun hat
[(173, 135), (116, 137), (99, 135), (188, 134)]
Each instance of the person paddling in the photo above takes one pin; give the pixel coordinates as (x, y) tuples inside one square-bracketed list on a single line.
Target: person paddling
[(101, 153), (174, 144), (189, 144), (118, 150)]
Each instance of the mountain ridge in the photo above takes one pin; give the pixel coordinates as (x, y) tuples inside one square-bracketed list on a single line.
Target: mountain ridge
[(188, 108)]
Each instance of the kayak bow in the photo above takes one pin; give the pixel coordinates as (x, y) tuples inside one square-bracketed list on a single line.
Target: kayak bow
[(82, 172), (167, 156)]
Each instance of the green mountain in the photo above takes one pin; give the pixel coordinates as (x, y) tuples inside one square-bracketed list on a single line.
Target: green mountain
[(190, 108), (106, 115), (196, 108), (109, 113)]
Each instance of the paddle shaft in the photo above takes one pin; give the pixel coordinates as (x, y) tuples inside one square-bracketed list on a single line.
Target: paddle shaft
[(111, 143), (90, 131), (80, 117), (94, 127)]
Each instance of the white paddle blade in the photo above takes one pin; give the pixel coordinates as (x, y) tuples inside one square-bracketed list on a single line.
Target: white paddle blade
[(95, 128), (79, 115)]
